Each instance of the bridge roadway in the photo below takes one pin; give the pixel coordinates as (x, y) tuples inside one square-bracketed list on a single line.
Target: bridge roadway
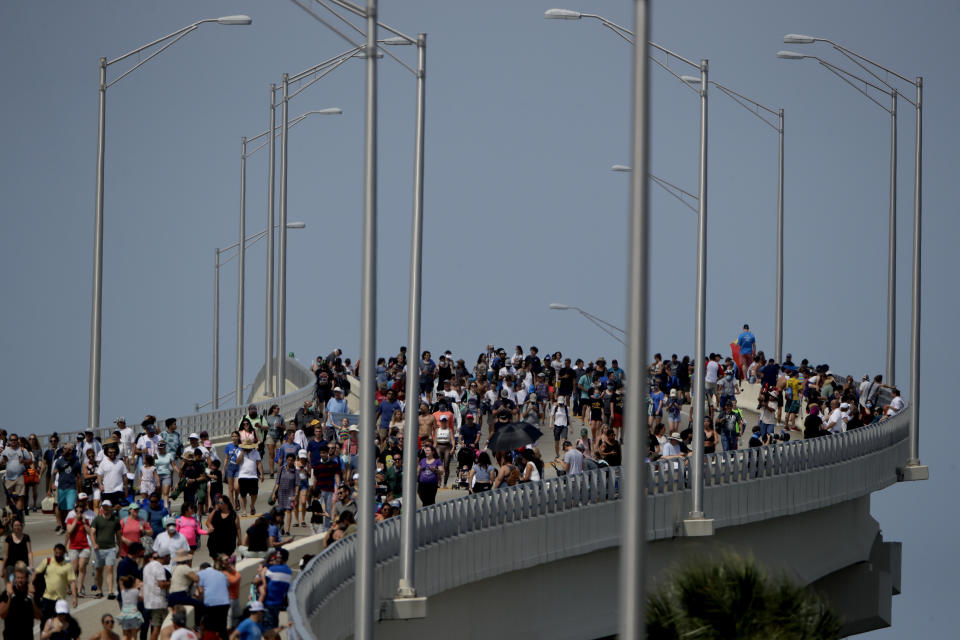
[(832, 475), (801, 507)]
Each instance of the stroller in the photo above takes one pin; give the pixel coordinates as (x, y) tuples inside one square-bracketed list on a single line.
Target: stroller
[(466, 457)]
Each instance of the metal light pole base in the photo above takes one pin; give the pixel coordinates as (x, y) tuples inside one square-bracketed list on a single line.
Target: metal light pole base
[(696, 527), (403, 608), (913, 472)]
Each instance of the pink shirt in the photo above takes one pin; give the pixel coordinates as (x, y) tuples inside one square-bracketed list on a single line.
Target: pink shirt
[(188, 527)]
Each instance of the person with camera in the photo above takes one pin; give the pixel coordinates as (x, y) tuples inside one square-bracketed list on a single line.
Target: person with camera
[(730, 425)]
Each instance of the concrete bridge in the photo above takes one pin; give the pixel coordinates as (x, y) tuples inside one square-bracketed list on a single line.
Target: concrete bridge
[(545, 555)]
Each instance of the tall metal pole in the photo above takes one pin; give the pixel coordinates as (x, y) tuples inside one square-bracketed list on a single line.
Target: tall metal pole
[(408, 522), (268, 365), (778, 334), (216, 328), (696, 458), (914, 459), (282, 262), (633, 525), (93, 399), (241, 267), (892, 248), (364, 604)]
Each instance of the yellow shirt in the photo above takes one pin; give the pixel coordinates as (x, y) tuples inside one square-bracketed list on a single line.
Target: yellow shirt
[(58, 576), (794, 385)]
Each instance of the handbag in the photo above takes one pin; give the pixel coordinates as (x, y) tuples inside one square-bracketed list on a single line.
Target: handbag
[(31, 476)]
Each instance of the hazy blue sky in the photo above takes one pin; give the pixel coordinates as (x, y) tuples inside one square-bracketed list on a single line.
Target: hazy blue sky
[(524, 118)]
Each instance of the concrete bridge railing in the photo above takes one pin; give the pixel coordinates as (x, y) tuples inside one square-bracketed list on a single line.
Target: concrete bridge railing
[(483, 535), (222, 421)]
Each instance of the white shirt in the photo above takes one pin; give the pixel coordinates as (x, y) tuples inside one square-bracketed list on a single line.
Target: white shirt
[(896, 406), (521, 395), (127, 437), (165, 545), (561, 416), (148, 445), (111, 474), (153, 596), (534, 472), (713, 369), (97, 450), (835, 422), (248, 463), (452, 393)]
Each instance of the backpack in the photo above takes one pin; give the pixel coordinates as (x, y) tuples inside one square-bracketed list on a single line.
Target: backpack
[(514, 476)]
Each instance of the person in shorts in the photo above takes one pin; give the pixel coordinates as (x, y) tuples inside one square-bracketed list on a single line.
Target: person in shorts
[(77, 526), (561, 423), (249, 474), (105, 532), (67, 469), (230, 471)]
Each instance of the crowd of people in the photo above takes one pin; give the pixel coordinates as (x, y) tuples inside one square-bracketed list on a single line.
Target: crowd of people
[(113, 500)]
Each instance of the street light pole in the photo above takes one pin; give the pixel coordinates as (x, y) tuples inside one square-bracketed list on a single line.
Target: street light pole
[(633, 528), (241, 269), (696, 524), (282, 263), (96, 313), (96, 321), (913, 469), (216, 328), (892, 247), (408, 523), (364, 604), (268, 388), (778, 330)]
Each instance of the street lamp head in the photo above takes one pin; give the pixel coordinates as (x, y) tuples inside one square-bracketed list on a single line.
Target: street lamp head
[(691, 79), (621, 168), (558, 307), (791, 55), (296, 225), (396, 41), (331, 111), (562, 14), (235, 20), (798, 38)]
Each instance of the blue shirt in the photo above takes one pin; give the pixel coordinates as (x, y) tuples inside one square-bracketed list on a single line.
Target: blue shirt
[(335, 406), (286, 449), (745, 341), (313, 448), (279, 577), (249, 630), (230, 453), (386, 412), (216, 592)]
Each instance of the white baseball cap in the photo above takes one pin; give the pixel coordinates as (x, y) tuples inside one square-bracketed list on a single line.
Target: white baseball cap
[(256, 605), (62, 607), (336, 389), (106, 503), (192, 436)]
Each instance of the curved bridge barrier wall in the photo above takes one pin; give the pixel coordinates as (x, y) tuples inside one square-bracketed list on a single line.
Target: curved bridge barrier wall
[(484, 535), (222, 421)]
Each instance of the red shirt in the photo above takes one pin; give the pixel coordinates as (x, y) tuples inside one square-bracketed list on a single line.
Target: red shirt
[(78, 538)]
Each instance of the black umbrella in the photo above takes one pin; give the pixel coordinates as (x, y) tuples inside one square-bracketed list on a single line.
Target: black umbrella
[(514, 436)]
